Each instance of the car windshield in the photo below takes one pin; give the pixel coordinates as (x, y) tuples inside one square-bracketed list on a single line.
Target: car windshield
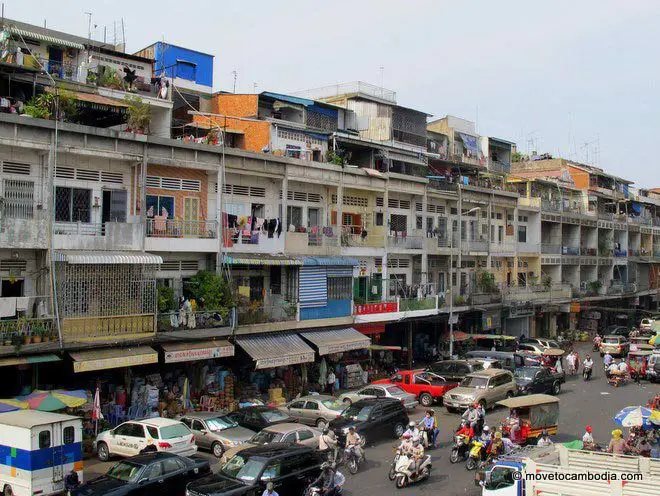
[(274, 415), (175, 430), (526, 373), (266, 437), (125, 471), (333, 405), (395, 390), (220, 423), (474, 382), (243, 466), (477, 367), (611, 340), (357, 412)]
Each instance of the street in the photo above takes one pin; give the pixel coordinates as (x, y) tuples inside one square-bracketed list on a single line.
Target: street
[(581, 403)]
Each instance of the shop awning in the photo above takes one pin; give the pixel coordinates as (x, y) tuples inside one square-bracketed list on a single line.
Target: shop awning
[(458, 336), (261, 260), (337, 340), (276, 350), (44, 37), (13, 361), (85, 361), (330, 261), (107, 257), (202, 350), (380, 347)]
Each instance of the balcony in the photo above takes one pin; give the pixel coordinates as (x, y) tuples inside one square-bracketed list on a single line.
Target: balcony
[(376, 307), (642, 221), (28, 230), (541, 293), (441, 185), (322, 242), (202, 320), (505, 249), (550, 249), (245, 241), (620, 253), (361, 239), (618, 287), (474, 246), (656, 221), (458, 155), (529, 247), (496, 166), (414, 304), (476, 299), (606, 216), (400, 242), (589, 252), (257, 312), (103, 236), (551, 206), (181, 235), (570, 250), (529, 202), (397, 309), (31, 326)]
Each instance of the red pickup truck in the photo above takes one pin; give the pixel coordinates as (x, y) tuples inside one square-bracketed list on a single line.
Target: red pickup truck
[(426, 386)]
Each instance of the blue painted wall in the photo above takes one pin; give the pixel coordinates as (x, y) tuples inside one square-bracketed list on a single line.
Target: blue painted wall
[(335, 308), (184, 63)]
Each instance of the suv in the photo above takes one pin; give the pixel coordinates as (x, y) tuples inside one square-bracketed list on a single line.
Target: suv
[(291, 468), (130, 438), (486, 388), (614, 345), (372, 418), (456, 370)]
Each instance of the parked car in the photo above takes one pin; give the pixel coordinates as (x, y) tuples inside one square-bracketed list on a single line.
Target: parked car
[(287, 433), (150, 473), (534, 348), (646, 324), (485, 387), (216, 432), (380, 391), (259, 417), (130, 438), (317, 410), (490, 363), (372, 418), (546, 343), (426, 386), (532, 380), (291, 468), (614, 345), (456, 370), (510, 360)]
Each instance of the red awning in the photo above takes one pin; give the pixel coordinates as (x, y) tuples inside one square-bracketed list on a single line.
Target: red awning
[(370, 329), (458, 336)]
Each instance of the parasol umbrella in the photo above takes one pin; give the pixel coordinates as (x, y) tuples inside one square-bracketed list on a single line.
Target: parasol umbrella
[(51, 401), (655, 417), (10, 405), (96, 409), (634, 416)]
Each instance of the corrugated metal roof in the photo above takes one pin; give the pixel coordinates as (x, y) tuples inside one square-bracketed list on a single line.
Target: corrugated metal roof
[(111, 358), (276, 350), (326, 261), (337, 340), (261, 260), (30, 418), (33, 35), (107, 257), (287, 98)]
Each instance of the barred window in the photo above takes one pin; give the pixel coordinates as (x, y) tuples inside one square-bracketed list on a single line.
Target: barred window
[(340, 288), (18, 199)]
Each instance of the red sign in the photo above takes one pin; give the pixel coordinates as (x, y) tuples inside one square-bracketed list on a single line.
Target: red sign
[(371, 308)]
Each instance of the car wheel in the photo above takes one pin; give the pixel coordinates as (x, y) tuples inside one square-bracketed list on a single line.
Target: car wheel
[(363, 440), (103, 452), (321, 423), (217, 449), (451, 410), (426, 399), (347, 402), (399, 429), (556, 387)]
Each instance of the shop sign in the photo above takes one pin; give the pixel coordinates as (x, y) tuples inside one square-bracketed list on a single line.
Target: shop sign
[(575, 307), (115, 362), (372, 308), (267, 363), (329, 349), (491, 320), (198, 354)]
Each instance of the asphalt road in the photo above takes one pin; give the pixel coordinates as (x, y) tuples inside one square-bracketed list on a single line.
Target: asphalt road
[(581, 403)]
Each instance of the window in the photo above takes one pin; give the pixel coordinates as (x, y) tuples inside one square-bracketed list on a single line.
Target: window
[(340, 288), (153, 432), (68, 435), (398, 223), (160, 205), (154, 472), (271, 471), (197, 425), (500, 233), (311, 405), (276, 279), (522, 234), (429, 224), (294, 215), (186, 421), (313, 217), (453, 279), (419, 222), (379, 218), (73, 204), (123, 430), (136, 430), (304, 435), (298, 404), (500, 478), (44, 439), (18, 199), (171, 465)]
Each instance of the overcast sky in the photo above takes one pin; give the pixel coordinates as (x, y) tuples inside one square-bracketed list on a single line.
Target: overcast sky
[(549, 75)]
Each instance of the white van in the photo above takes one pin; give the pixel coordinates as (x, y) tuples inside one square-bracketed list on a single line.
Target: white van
[(38, 450)]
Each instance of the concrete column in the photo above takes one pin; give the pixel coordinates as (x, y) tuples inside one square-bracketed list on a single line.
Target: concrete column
[(143, 192), (515, 238), (285, 201), (386, 230), (218, 216), (425, 269), (489, 212), (459, 234), (410, 345), (425, 256), (340, 202)]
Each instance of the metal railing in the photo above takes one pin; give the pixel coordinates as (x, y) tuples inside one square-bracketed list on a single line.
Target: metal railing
[(550, 206), (444, 241), (176, 228), (321, 238), (442, 185), (405, 242), (256, 312), (179, 320), (31, 322), (481, 246), (495, 166), (348, 88), (656, 222), (622, 288), (80, 228), (356, 240), (550, 248)]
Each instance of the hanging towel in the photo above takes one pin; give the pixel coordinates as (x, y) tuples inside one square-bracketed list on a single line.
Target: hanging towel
[(7, 307), (232, 220), (22, 303), (314, 230), (272, 224), (258, 223)]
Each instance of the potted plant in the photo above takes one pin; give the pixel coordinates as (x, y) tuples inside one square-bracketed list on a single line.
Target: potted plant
[(139, 114), (17, 342)]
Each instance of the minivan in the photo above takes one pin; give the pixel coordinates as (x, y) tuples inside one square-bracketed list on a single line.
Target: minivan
[(614, 345), (486, 388)]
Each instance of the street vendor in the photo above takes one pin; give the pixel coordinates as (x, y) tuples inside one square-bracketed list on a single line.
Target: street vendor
[(617, 444)]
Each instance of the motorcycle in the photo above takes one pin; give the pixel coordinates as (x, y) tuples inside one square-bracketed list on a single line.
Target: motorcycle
[(339, 481), (586, 373), (391, 475), (352, 459), (477, 454), (460, 450), (405, 473)]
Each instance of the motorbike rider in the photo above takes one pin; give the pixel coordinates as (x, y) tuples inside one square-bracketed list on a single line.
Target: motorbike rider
[(326, 481), (328, 443), (353, 440), (71, 481), (544, 440), (428, 425), (588, 363), (513, 421), (465, 430), (607, 359), (597, 342), (486, 436), (496, 448), (413, 430), (417, 455), (509, 445), (472, 415), (588, 438), (406, 444)]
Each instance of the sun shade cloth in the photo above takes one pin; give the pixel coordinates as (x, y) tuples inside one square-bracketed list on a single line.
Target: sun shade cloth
[(44, 37), (276, 350), (337, 340), (203, 350)]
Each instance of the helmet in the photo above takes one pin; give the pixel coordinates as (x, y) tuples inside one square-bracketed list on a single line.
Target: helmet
[(486, 428), (476, 405), (407, 435), (326, 430), (498, 435), (351, 428), (411, 424), (588, 429), (416, 441), (464, 423)]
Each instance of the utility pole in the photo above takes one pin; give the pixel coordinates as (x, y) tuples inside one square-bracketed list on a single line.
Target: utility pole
[(89, 25), (235, 77)]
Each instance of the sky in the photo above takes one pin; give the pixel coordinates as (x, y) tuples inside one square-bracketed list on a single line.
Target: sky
[(578, 79)]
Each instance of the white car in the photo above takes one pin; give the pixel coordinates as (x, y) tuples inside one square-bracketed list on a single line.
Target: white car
[(534, 348), (646, 324), (130, 438), (546, 343), (380, 391)]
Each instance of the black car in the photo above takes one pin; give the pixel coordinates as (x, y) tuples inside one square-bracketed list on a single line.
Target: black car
[(372, 418), (456, 370), (289, 468), (151, 473), (532, 380), (259, 417)]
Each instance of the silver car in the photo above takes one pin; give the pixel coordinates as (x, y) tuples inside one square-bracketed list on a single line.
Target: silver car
[(380, 391), (216, 432), (316, 410)]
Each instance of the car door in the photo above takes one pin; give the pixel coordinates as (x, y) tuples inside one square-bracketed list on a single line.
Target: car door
[(374, 427), (368, 392), (290, 438), (311, 412), (151, 480), (201, 433), (542, 381), (296, 409), (175, 476), (116, 441), (306, 437), (130, 439), (238, 417), (253, 420)]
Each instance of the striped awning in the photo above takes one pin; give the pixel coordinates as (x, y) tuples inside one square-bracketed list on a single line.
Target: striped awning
[(261, 260), (330, 261), (337, 340), (276, 350), (107, 257), (44, 37)]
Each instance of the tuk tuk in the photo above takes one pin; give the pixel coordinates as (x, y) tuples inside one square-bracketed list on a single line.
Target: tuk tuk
[(551, 356), (640, 341), (537, 412)]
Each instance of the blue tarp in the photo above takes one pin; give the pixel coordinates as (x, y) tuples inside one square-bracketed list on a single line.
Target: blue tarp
[(291, 99), (636, 207), (470, 143)]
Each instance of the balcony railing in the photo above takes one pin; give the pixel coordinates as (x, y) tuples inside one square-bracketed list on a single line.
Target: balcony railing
[(405, 242), (605, 215), (621, 288), (620, 253), (363, 239), (656, 222), (376, 307), (80, 228), (321, 237), (475, 299), (31, 322), (527, 247), (444, 241), (442, 185), (550, 249), (256, 312), (589, 252), (502, 247), (480, 246), (644, 221), (550, 206), (176, 228), (538, 293), (495, 166), (529, 202)]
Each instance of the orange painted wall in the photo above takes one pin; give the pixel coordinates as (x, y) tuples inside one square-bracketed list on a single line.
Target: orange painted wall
[(162, 171), (580, 177), (235, 105), (256, 135)]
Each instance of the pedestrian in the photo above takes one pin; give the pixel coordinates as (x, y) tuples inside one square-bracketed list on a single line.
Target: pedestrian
[(617, 444), (331, 381), (588, 439), (545, 440), (270, 491)]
